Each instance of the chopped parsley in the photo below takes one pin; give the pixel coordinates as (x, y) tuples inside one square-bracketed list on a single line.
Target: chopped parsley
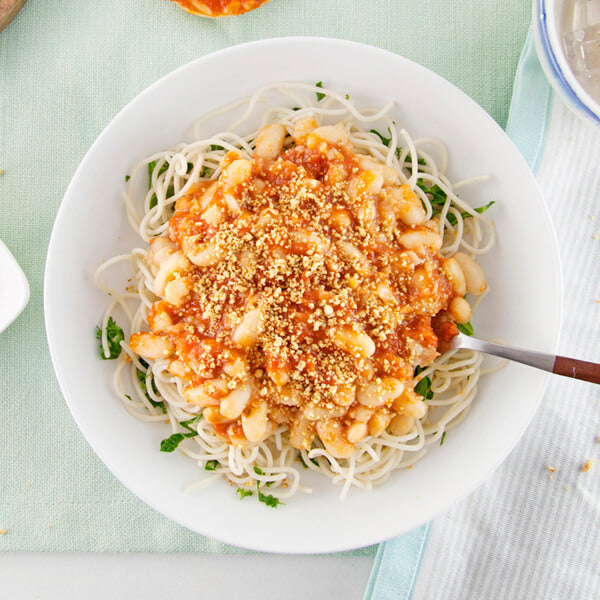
[(127, 178), (169, 444), (215, 147), (423, 388), (211, 465), (114, 337), (296, 108), (443, 438), (268, 500), (347, 96), (320, 96), (385, 141), (482, 209), (466, 328), (243, 493), (205, 172), (438, 199), (258, 470)]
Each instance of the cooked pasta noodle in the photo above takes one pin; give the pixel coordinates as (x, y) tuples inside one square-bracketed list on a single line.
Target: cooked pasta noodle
[(268, 461)]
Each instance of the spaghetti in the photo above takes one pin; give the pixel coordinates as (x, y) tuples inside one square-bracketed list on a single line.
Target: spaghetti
[(361, 412)]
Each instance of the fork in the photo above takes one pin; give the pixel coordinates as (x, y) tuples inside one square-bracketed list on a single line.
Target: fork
[(561, 365)]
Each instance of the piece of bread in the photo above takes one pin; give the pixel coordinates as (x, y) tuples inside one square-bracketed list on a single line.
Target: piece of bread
[(219, 8)]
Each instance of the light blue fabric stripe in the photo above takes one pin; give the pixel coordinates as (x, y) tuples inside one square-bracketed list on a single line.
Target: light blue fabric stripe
[(530, 108), (398, 561), (397, 565)]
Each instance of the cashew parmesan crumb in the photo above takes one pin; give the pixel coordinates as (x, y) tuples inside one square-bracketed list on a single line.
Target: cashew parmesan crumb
[(2, 531), (587, 465), (552, 469), (565, 487)]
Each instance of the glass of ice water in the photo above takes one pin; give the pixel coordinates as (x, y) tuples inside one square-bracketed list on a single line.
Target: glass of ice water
[(567, 39)]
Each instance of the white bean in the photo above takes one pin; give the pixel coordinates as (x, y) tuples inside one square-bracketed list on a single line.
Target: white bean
[(247, 332), (176, 290), (378, 422), (401, 425), (302, 433), (254, 422), (152, 346), (168, 266), (460, 309), (302, 127), (205, 255), (455, 276), (357, 343), (380, 391), (474, 275), (331, 436), (357, 432), (269, 142), (420, 238), (407, 205), (336, 135), (235, 402)]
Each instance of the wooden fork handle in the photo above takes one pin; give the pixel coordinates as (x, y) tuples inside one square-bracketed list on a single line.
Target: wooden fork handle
[(578, 369)]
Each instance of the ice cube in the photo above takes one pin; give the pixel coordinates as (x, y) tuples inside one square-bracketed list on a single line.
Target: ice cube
[(582, 49)]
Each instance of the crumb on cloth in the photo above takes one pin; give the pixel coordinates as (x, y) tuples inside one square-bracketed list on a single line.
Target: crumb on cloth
[(587, 465)]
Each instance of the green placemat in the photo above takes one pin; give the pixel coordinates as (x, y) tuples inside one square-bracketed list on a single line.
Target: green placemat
[(66, 68)]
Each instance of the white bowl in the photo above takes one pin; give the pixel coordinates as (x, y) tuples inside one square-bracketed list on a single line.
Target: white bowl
[(523, 307)]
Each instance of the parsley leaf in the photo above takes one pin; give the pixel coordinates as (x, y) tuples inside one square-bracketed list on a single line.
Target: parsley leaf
[(465, 328), (258, 471), (243, 493), (443, 438), (268, 500), (296, 108), (214, 147), (127, 177), (320, 96), (482, 209), (423, 388), (169, 444), (211, 465), (114, 337), (347, 96), (385, 141), (205, 172), (438, 196)]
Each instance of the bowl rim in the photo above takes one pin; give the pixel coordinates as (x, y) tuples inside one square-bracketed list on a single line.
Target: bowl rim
[(264, 545), (555, 66)]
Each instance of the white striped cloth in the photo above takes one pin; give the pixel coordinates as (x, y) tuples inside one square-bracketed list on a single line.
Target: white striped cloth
[(532, 532)]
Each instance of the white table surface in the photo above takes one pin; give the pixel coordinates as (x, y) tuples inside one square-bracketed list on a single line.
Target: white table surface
[(94, 576)]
